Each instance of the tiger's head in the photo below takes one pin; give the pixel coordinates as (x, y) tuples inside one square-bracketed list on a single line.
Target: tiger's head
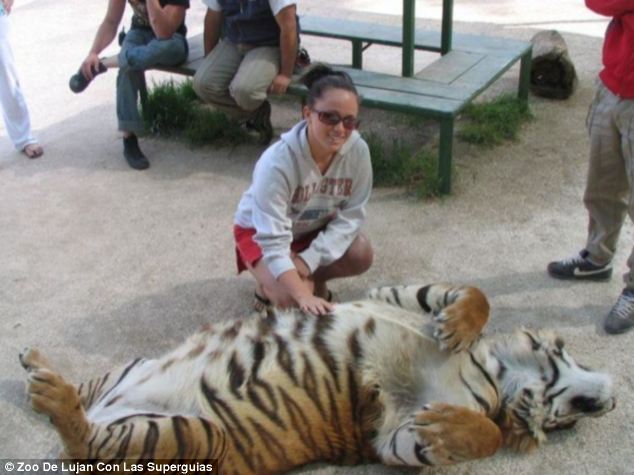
[(544, 389)]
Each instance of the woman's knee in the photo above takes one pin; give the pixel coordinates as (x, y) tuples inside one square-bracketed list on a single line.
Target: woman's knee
[(360, 255)]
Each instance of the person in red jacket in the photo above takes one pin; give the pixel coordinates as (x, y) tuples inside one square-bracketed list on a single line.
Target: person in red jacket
[(609, 187)]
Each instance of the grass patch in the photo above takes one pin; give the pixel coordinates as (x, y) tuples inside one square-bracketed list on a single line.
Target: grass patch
[(493, 123), (172, 110), (397, 164)]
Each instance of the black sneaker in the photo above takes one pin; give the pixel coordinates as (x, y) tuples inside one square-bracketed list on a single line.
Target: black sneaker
[(579, 267), (260, 122), (133, 153), (78, 82), (621, 317)]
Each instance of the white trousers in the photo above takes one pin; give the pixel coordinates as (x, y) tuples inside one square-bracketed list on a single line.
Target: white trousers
[(14, 110)]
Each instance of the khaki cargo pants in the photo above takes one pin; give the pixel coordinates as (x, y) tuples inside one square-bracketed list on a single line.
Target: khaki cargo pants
[(610, 182), (235, 78)]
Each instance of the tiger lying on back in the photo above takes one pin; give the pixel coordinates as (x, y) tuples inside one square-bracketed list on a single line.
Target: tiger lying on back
[(401, 377)]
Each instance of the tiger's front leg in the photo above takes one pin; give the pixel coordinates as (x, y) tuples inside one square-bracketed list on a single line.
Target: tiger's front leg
[(458, 313), (441, 434)]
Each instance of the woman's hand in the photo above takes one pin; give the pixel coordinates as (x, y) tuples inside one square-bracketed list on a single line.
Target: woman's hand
[(315, 305)]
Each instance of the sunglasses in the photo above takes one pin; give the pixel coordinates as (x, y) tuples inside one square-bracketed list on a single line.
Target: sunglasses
[(332, 119)]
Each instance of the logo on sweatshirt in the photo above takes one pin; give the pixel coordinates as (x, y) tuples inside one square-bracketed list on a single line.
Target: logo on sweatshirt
[(340, 187)]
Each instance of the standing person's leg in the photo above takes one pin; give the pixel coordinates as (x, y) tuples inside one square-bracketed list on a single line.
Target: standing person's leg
[(14, 110), (621, 316), (212, 79), (607, 184), (604, 197)]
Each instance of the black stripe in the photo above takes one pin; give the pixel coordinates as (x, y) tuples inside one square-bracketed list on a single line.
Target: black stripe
[(149, 444), (393, 444), (485, 405), (285, 360), (121, 420), (92, 441), (322, 325), (273, 446), (309, 383), (486, 375), (103, 383), (236, 375), (550, 398), (180, 425), (354, 346), (113, 400), (123, 446), (397, 299), (209, 436), (421, 296), (555, 376), (370, 327), (535, 344), (300, 423), (230, 421), (335, 419), (123, 375)]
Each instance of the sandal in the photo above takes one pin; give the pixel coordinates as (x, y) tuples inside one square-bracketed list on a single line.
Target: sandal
[(33, 150), (261, 304)]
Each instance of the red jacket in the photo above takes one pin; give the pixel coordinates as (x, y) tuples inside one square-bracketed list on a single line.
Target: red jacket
[(618, 47)]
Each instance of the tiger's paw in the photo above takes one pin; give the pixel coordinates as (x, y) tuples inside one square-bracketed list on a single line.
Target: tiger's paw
[(31, 359), (50, 394), (458, 325), (449, 434)]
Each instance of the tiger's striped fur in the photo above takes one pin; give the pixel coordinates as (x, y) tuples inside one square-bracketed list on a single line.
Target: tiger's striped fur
[(401, 377)]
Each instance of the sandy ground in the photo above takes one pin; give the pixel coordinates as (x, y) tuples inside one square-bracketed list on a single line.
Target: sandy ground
[(100, 263)]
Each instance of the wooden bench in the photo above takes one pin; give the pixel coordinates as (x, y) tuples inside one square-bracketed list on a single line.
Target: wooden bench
[(440, 91)]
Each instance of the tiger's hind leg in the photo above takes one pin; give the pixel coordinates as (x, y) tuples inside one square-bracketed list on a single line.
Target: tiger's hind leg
[(458, 313), (136, 437), (50, 394), (440, 434), (90, 392)]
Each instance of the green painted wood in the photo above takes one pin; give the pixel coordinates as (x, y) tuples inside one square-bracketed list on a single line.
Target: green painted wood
[(392, 35), (398, 101), (409, 31), (445, 147), (408, 85), (446, 27), (525, 76), (449, 67)]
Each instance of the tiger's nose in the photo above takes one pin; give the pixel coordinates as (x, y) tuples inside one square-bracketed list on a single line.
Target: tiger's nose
[(587, 404)]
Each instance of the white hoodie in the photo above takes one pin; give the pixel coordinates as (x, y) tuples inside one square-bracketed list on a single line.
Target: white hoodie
[(289, 197)]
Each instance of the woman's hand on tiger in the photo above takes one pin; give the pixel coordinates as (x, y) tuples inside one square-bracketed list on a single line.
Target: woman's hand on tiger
[(315, 305)]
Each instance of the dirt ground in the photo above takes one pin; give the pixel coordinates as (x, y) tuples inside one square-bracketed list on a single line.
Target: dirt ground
[(100, 264)]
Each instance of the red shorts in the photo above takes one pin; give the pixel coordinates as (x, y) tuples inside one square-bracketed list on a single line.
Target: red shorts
[(248, 251)]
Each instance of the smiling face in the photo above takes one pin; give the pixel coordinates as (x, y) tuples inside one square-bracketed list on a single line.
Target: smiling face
[(325, 140)]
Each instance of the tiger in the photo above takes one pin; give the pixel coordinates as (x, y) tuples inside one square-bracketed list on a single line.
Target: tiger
[(402, 377)]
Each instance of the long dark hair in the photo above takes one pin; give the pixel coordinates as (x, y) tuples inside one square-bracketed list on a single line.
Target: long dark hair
[(321, 78)]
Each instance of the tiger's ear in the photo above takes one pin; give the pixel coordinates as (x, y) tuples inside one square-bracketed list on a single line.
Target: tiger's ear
[(523, 420)]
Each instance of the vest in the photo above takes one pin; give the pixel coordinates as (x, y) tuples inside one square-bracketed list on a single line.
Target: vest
[(250, 22)]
